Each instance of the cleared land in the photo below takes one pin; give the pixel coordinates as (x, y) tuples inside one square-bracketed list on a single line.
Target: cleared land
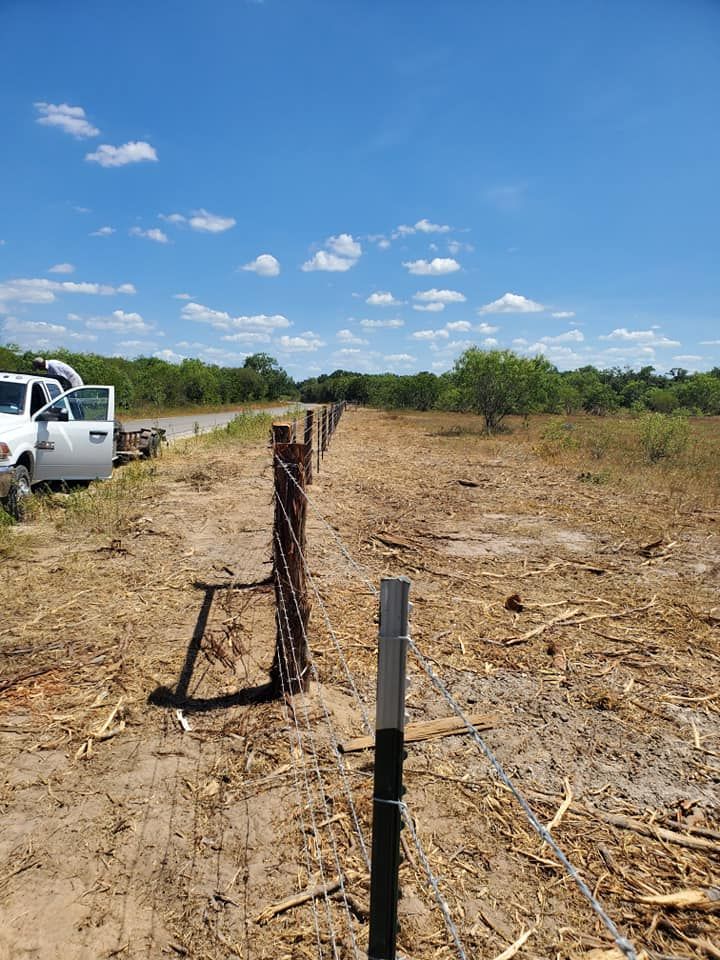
[(125, 836)]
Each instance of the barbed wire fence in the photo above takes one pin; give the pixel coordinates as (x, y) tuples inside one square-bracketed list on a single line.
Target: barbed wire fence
[(314, 791)]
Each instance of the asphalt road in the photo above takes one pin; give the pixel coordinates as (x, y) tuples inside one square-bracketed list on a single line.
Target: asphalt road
[(185, 426)]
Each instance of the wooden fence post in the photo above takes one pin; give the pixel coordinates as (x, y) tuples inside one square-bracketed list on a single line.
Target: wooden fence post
[(308, 438), (389, 756), (324, 430), (289, 672)]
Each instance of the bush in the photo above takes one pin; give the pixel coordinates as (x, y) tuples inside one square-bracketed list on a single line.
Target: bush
[(663, 437)]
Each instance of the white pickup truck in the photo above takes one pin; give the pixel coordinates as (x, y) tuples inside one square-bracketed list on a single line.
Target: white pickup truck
[(49, 434)]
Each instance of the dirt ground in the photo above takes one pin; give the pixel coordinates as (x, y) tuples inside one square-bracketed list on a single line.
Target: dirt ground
[(124, 834)]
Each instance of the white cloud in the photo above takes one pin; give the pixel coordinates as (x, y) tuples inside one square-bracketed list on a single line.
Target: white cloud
[(327, 262), (376, 324), (425, 226), (307, 342), (648, 338), (429, 307), (441, 365), (430, 335), (432, 268), (103, 232), (403, 231), (248, 336), (382, 298), (133, 152), (138, 346), (344, 245), (520, 342), (62, 268), (152, 234), (486, 328), (40, 290), (512, 303), (710, 343), (221, 320), (459, 326), (209, 222), (264, 265), (344, 253), (69, 119), (570, 336), (439, 296), (173, 218), (400, 358), (182, 296), (118, 322), (169, 355), (563, 314), (490, 342), (455, 247), (347, 336), (35, 333), (688, 358)]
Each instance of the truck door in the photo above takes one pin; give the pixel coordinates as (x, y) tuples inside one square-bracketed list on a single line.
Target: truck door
[(74, 435)]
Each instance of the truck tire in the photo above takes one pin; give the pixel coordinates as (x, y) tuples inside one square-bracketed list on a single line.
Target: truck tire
[(19, 492)]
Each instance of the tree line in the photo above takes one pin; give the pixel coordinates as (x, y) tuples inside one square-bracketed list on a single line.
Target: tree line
[(493, 383), (156, 383)]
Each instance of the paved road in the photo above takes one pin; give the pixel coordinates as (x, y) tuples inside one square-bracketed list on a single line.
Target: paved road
[(184, 426)]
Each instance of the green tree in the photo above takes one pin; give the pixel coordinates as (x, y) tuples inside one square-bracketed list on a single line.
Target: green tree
[(495, 383)]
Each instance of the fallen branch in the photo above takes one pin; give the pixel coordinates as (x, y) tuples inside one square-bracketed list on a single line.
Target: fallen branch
[(427, 730), (647, 830), (322, 890), (514, 947)]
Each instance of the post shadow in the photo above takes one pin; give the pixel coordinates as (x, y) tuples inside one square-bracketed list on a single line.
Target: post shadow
[(178, 698)]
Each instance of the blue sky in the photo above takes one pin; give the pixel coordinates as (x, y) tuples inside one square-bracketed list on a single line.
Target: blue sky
[(362, 184)]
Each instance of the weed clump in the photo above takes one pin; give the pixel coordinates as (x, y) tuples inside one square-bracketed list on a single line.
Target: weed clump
[(663, 437)]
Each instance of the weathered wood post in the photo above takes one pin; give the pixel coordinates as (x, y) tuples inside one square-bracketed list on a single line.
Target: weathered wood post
[(389, 756), (289, 672), (324, 431), (319, 439), (308, 438)]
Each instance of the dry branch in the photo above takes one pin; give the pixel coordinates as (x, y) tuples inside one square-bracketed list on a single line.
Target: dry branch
[(427, 730), (322, 890)]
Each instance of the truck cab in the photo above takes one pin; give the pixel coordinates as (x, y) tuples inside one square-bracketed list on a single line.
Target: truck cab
[(49, 434)]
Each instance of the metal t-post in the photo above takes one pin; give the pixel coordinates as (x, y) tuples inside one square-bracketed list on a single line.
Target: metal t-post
[(389, 756)]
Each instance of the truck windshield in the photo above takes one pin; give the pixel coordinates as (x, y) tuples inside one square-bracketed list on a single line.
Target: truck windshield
[(12, 397)]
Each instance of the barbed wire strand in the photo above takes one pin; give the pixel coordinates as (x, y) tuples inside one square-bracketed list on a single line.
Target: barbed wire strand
[(432, 879), (328, 623), (334, 741), (624, 945), (318, 773), (308, 791), (341, 546), (303, 827)]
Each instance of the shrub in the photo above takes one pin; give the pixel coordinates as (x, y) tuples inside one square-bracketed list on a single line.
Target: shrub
[(663, 437)]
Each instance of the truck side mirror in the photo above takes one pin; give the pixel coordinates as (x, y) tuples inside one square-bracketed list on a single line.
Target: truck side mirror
[(53, 414)]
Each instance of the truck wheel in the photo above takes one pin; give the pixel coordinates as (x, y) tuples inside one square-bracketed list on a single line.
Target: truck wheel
[(19, 492)]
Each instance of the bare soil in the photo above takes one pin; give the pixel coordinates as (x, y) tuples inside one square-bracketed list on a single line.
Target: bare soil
[(159, 841)]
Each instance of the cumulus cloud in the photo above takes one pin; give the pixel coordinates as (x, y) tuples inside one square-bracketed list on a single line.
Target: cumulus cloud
[(422, 226), (459, 326), (439, 296), (347, 336), (455, 247), (69, 119), (563, 314), (306, 342), (248, 336), (41, 290), (170, 356), (512, 303), (135, 151), (264, 265), (342, 253), (207, 222), (486, 328), (344, 246), (382, 298), (62, 268), (570, 336), (429, 307), (221, 320), (36, 333), (432, 268), (399, 358), (118, 322), (376, 324), (103, 232), (647, 338), (152, 234), (182, 296), (430, 335)]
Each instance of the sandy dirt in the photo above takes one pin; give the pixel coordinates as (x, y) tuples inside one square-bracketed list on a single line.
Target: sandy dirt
[(159, 842)]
